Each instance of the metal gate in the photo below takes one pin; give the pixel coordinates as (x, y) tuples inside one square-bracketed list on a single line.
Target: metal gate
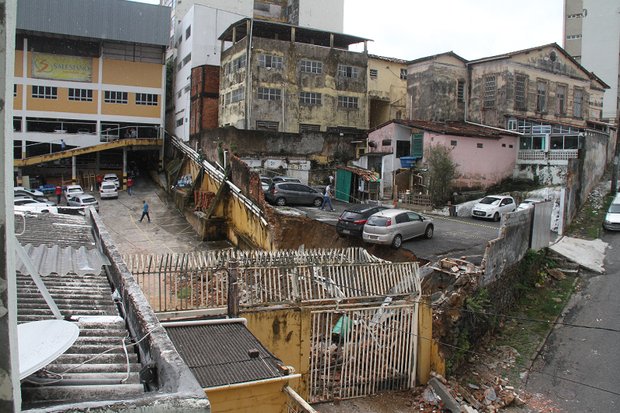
[(360, 351)]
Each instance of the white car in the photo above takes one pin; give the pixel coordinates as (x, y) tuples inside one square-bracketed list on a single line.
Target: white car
[(108, 190), (528, 203), (612, 219), (32, 205), (22, 190), (493, 206), (111, 178), (71, 191), (83, 200)]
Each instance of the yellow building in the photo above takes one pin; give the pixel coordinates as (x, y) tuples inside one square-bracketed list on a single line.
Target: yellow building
[(387, 89), (87, 72)]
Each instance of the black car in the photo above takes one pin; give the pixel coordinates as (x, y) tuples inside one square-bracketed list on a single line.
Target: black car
[(352, 220), (286, 193)]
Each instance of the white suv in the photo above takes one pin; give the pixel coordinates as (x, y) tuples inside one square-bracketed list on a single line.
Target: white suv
[(493, 206)]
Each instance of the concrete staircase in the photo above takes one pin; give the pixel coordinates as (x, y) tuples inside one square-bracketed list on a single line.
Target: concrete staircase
[(104, 378)]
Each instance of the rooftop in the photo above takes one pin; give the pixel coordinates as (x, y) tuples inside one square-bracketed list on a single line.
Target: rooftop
[(451, 128)]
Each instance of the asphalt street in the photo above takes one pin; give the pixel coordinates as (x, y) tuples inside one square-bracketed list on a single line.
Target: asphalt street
[(578, 367)]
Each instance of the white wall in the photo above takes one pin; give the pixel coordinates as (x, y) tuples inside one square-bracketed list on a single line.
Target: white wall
[(322, 14), (600, 47)]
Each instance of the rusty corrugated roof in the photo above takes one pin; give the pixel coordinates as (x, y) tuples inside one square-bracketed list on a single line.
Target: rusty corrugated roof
[(367, 175), (452, 128)]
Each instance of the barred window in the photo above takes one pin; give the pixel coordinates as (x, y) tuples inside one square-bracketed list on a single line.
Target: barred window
[(44, 92), (309, 98), (460, 91), (489, 92), (228, 95), (80, 95), (374, 73), (310, 66), (238, 94), (274, 62), (520, 85), (304, 127), (267, 125), (179, 122), (347, 102), (348, 71), (403, 74), (146, 99), (115, 97), (541, 97), (577, 104), (239, 63), (561, 99), (267, 93)]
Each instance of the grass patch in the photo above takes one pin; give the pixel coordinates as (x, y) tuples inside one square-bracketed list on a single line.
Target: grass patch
[(589, 220)]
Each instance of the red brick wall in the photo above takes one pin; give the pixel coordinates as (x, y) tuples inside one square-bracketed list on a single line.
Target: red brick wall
[(204, 98)]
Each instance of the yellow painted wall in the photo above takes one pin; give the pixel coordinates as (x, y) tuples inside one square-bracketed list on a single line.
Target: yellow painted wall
[(286, 333), (425, 335), (17, 101), (246, 224), (19, 64), (120, 72), (258, 398)]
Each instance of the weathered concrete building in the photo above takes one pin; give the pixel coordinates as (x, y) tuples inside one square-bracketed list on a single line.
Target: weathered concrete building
[(387, 89), (278, 77)]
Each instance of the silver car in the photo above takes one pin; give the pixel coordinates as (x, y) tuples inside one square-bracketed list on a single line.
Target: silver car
[(393, 226), (83, 200), (108, 190)]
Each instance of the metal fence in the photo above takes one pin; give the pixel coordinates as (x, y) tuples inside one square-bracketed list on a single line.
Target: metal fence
[(414, 199)]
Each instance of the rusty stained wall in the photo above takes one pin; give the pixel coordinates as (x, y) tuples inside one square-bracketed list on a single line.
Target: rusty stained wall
[(263, 397), (432, 90), (233, 113), (288, 112), (535, 65)]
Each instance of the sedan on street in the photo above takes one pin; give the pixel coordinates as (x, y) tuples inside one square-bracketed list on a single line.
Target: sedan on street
[(83, 200), (493, 206), (287, 193), (71, 191), (108, 190), (352, 220), (393, 226)]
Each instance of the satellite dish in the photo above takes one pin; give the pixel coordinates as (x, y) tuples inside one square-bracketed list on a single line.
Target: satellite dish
[(41, 342)]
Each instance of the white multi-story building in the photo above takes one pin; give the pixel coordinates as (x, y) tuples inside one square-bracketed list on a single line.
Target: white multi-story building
[(592, 37)]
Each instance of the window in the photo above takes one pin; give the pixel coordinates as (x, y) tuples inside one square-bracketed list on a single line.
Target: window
[(577, 105), (187, 88), (348, 71), (520, 87), (479, 145), (238, 94), (347, 102), (561, 99), (179, 94), (267, 125), (503, 145), (532, 142), (512, 124), (115, 97), (44, 92), (274, 62), (81, 95), (564, 142), (227, 68), (575, 16), (179, 66), (310, 66), (399, 114), (403, 148), (309, 98), (489, 92), (238, 63), (453, 143), (386, 142), (417, 149), (573, 37), (228, 95), (460, 91), (303, 127), (510, 146), (14, 91), (146, 99), (188, 32), (179, 122), (541, 96), (266, 93), (187, 58), (374, 73), (403, 74)]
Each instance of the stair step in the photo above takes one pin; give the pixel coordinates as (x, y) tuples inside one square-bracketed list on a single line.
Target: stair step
[(112, 358), (81, 348), (92, 368), (82, 393)]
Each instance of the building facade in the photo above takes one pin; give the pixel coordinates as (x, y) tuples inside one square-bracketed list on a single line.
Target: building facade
[(387, 89), (592, 37), (283, 78), (83, 77)]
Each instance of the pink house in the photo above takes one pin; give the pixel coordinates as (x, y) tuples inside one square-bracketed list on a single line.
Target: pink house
[(484, 155)]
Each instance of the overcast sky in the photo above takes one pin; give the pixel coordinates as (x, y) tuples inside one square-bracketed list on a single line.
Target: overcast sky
[(409, 29)]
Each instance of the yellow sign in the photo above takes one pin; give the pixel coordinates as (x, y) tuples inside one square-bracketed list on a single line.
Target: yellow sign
[(77, 69)]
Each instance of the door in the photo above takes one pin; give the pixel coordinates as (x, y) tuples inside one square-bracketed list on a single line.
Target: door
[(416, 224), (343, 185)]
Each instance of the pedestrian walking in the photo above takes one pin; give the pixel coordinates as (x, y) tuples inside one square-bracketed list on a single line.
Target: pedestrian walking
[(145, 211), (63, 145), (58, 193), (327, 198), (129, 185)]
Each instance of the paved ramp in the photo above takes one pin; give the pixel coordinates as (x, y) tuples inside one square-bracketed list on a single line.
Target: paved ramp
[(588, 254)]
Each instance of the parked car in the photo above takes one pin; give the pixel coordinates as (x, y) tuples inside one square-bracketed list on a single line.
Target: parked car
[(284, 179), (352, 220), (265, 182), (112, 178), (83, 200), (108, 190), (32, 205), (393, 226), (493, 206), (286, 193), (528, 203), (612, 219), (25, 191), (71, 191)]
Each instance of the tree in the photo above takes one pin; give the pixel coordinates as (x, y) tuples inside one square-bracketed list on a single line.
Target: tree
[(441, 171)]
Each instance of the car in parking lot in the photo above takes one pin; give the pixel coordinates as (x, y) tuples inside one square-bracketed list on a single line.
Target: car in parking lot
[(265, 181), (528, 203), (284, 179), (71, 191), (111, 178), (612, 218), (33, 205), (21, 191), (83, 200), (108, 190), (289, 193), (493, 206), (352, 220), (393, 226)]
